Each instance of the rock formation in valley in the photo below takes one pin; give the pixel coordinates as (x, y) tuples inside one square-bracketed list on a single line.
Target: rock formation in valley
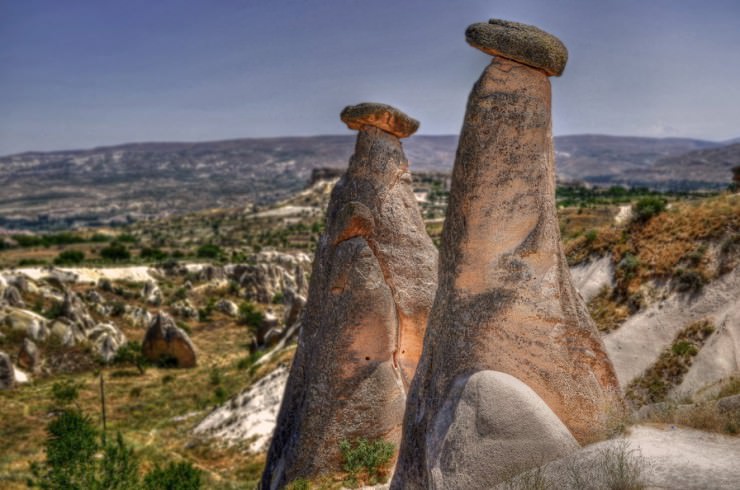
[(505, 303), (165, 342), (372, 286)]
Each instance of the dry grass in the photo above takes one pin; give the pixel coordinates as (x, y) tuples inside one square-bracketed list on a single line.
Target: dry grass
[(144, 408), (607, 313)]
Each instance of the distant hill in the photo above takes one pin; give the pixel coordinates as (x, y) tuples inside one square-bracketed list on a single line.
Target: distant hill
[(127, 182)]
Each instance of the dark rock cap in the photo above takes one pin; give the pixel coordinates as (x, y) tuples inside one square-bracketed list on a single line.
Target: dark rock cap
[(382, 116), (519, 42)]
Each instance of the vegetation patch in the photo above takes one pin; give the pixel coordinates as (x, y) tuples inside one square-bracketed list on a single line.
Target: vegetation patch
[(607, 313), (672, 364), (366, 461)]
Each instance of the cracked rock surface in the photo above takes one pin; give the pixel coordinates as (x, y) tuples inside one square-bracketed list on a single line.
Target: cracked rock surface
[(372, 286)]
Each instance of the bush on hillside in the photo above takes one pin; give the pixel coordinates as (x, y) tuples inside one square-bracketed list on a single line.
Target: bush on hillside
[(69, 257), (647, 207)]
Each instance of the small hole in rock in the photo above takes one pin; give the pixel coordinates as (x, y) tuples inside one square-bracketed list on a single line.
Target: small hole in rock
[(367, 358)]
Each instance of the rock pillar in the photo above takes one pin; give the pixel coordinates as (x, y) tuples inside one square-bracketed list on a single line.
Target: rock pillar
[(372, 286), (505, 301)]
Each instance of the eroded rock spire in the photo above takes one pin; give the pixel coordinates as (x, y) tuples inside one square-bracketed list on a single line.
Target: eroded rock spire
[(507, 331), (372, 286)]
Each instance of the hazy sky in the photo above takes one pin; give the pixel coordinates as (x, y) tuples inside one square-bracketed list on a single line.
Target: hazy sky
[(77, 74)]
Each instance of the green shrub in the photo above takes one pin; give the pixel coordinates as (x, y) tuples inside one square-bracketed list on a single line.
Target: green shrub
[(249, 315), (688, 280), (369, 456), (174, 476), (299, 484), (152, 253), (69, 257), (130, 353), (116, 252), (647, 207), (208, 251), (65, 392), (71, 444)]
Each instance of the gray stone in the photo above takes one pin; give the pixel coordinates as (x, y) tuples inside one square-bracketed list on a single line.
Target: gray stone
[(7, 372), (13, 297), (491, 423), (381, 116), (28, 356), (519, 42), (729, 404)]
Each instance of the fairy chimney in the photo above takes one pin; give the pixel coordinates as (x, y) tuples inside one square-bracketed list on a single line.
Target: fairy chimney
[(372, 286), (505, 310)]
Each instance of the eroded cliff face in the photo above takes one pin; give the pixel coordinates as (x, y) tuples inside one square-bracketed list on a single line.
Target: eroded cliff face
[(505, 301), (372, 286)]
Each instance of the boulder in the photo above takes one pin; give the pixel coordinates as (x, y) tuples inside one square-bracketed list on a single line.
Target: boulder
[(373, 280), (151, 293), (12, 296), (7, 372), (28, 356), (270, 274), (33, 324), (227, 307), (381, 116), (523, 43), (505, 300), (106, 339), (74, 310), (184, 309), (140, 317), (165, 342), (490, 423)]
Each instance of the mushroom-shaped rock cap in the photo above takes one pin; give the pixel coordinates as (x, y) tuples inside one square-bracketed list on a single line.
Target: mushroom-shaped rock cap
[(519, 42), (382, 116)]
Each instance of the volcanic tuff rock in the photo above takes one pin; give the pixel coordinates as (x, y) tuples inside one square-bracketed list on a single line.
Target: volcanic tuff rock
[(7, 372), (382, 116), (526, 44), (505, 300), (164, 342), (372, 285), (494, 414), (28, 357)]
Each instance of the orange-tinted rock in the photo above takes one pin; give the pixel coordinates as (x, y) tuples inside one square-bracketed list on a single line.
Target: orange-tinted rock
[(166, 343), (505, 300), (381, 116), (372, 286)]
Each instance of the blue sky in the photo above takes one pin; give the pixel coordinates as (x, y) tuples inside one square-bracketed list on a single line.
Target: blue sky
[(83, 73)]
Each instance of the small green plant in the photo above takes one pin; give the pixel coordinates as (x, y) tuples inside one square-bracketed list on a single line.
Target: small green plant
[(688, 280), (174, 476), (208, 251), (278, 297), (152, 253), (69, 257), (215, 377), (299, 484), (370, 457), (115, 252), (591, 236), (249, 315), (65, 392), (647, 207), (130, 353)]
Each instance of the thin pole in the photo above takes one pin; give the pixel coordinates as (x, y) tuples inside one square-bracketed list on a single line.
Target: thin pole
[(102, 404)]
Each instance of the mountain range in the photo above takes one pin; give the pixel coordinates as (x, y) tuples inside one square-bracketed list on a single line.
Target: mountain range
[(131, 181)]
